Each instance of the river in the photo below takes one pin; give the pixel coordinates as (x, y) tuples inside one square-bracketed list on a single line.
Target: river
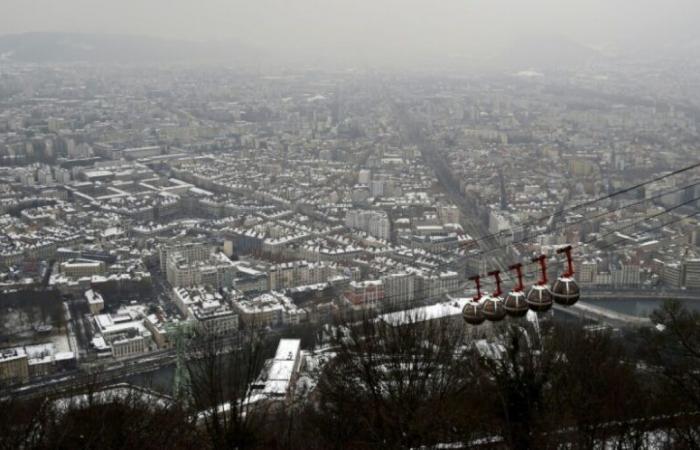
[(639, 308)]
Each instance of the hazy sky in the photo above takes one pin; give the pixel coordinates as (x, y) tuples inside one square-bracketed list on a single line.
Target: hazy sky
[(358, 27)]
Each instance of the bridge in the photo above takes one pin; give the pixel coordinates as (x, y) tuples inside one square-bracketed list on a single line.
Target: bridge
[(640, 294), (583, 310)]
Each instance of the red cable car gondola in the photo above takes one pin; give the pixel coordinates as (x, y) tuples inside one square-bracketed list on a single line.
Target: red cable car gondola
[(565, 290), (472, 311), (539, 299), (492, 305), (516, 303)]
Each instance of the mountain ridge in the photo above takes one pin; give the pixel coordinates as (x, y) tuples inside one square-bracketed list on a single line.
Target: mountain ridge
[(57, 47)]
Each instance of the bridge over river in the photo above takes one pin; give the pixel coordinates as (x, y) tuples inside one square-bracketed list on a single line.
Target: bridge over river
[(604, 315), (640, 294)]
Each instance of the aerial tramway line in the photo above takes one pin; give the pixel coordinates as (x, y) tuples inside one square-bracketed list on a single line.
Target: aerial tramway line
[(540, 297), (532, 222), (617, 193), (519, 301), (565, 290)]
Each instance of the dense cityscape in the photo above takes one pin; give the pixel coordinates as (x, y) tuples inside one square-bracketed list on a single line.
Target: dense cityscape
[(169, 228)]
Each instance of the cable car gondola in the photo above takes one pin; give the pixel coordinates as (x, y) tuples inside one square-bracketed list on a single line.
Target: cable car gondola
[(539, 298), (515, 303), (565, 290), (493, 308), (472, 311)]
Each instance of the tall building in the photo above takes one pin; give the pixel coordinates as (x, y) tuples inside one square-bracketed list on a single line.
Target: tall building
[(503, 194), (628, 275), (192, 251), (399, 288), (587, 271), (376, 188), (95, 301), (14, 366), (672, 275), (692, 273), (499, 221), (375, 223), (437, 284), (368, 294)]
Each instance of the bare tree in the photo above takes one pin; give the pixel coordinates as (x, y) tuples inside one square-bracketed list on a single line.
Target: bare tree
[(220, 373), (671, 352), (23, 423), (119, 419), (516, 379), (397, 386), (597, 393)]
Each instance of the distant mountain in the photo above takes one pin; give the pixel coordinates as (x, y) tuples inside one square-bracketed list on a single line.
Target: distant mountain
[(114, 48), (687, 49), (545, 52)]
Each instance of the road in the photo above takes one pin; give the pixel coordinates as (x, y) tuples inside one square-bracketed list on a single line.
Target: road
[(93, 375), (111, 371), (413, 131)]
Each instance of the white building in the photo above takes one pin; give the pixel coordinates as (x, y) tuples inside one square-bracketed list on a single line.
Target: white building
[(218, 270), (280, 373), (124, 333), (95, 301), (269, 310), (78, 268), (300, 273), (376, 223), (207, 308)]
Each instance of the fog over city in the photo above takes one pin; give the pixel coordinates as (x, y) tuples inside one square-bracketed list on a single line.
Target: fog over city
[(382, 33), (364, 224)]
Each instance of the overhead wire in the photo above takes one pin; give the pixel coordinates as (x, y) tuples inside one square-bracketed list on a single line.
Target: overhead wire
[(596, 200), (598, 237), (591, 218)]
